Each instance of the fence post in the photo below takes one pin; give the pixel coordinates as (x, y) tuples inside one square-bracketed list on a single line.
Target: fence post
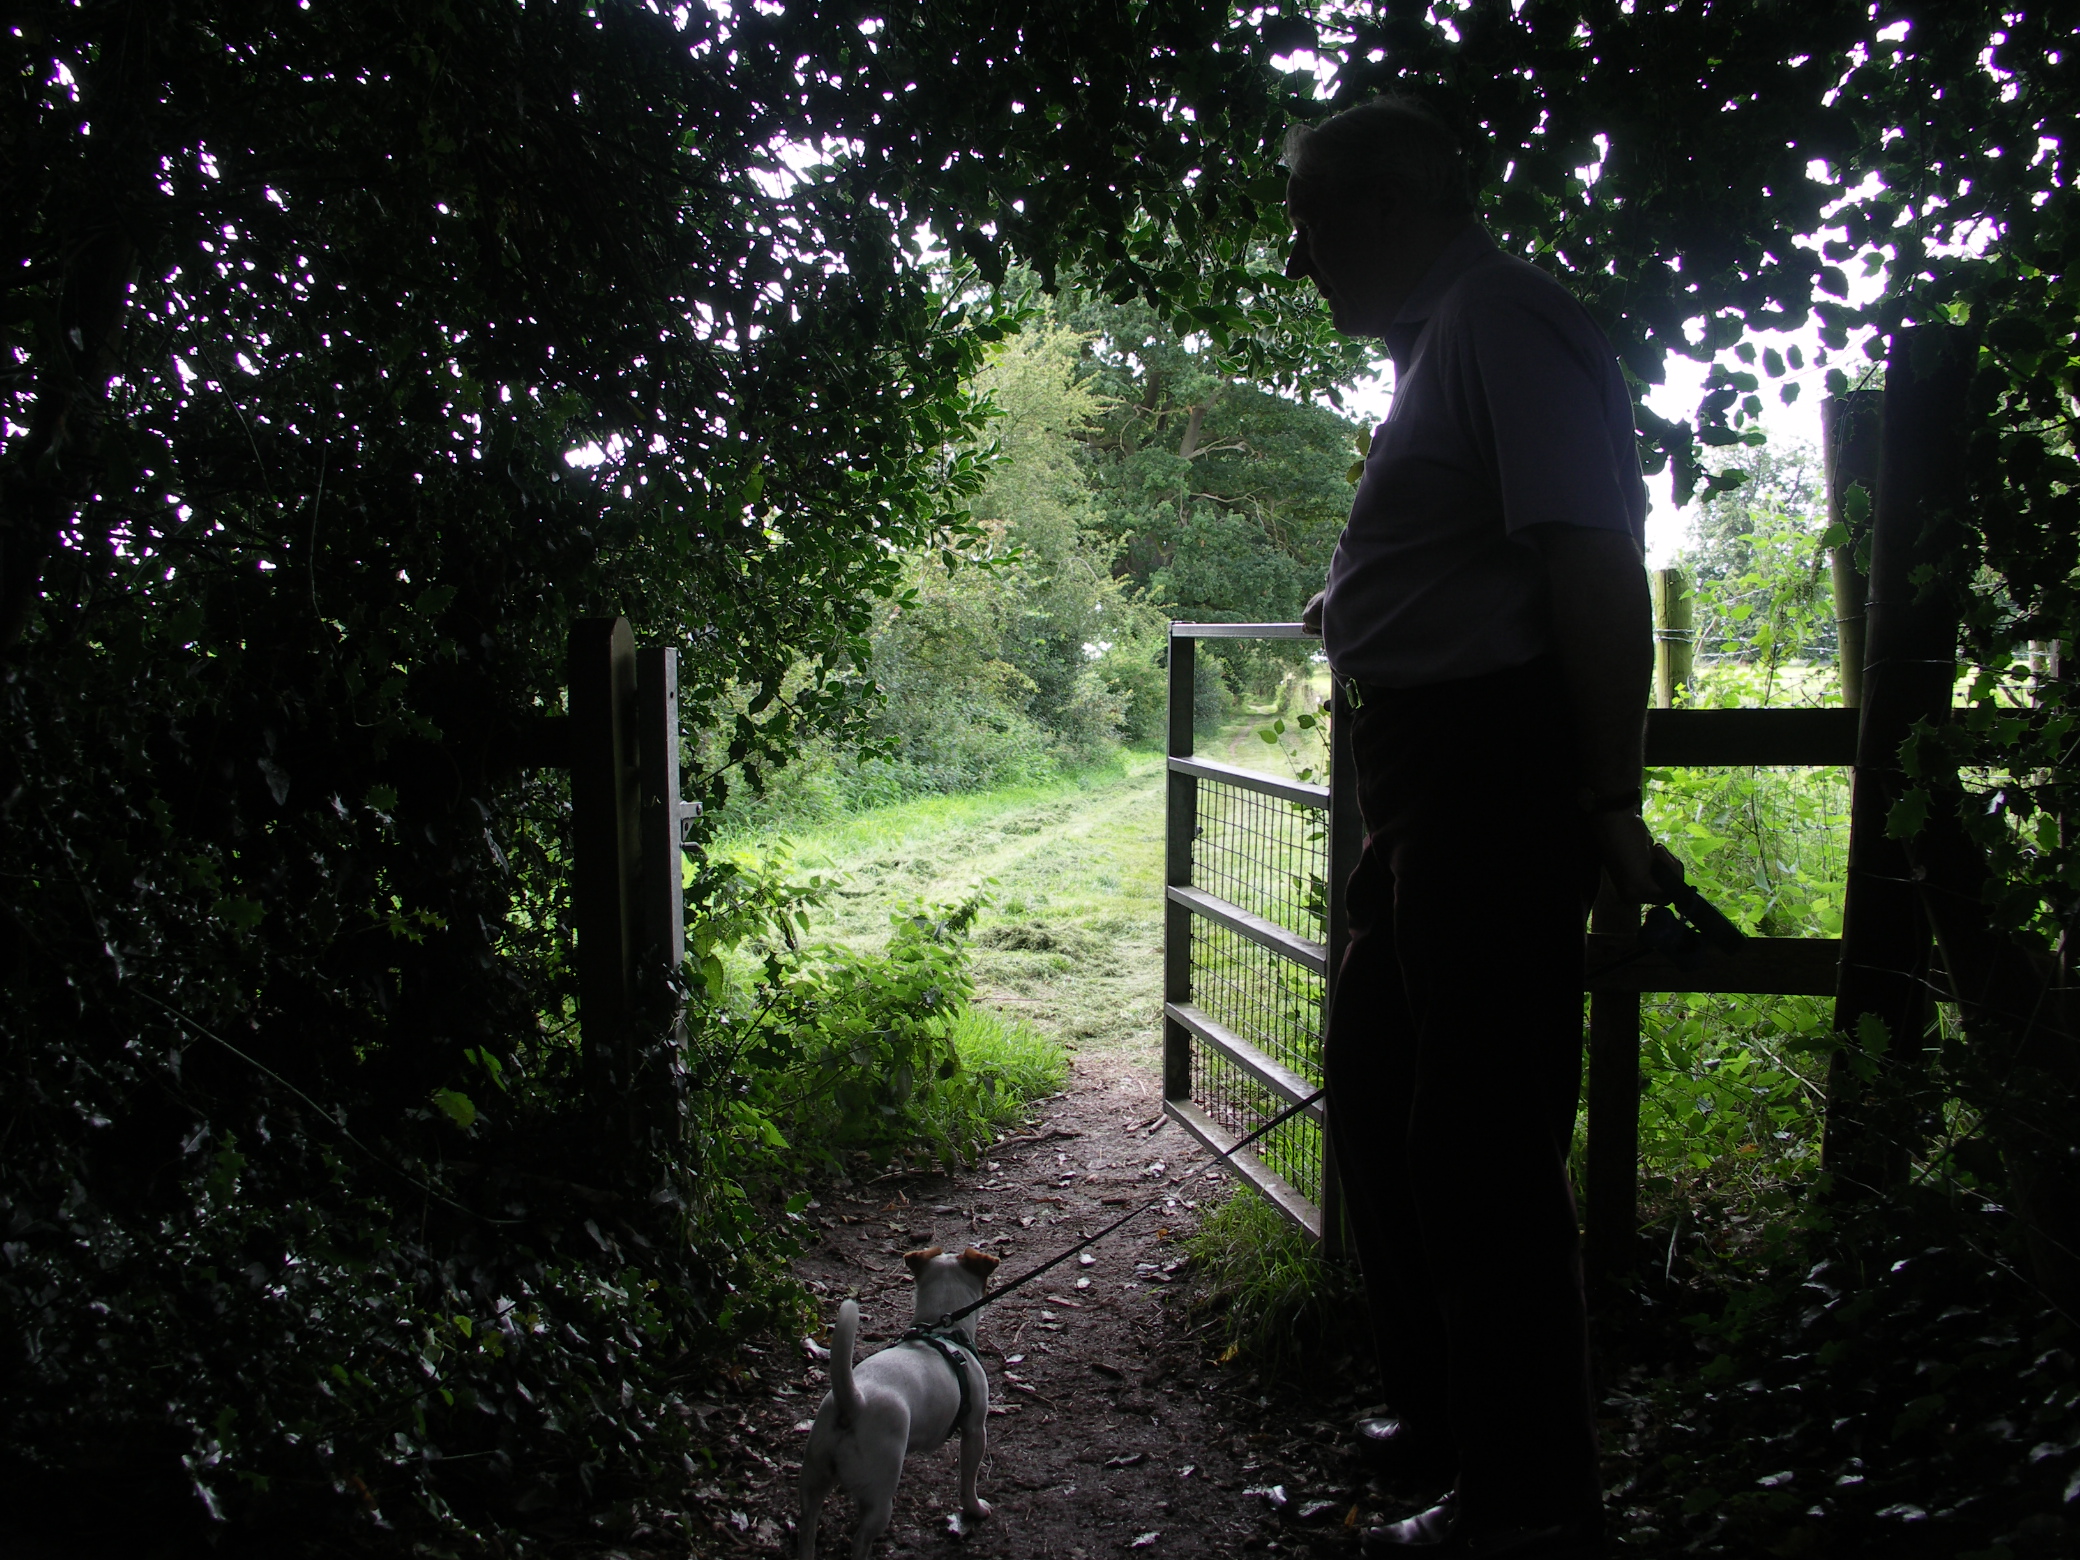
[(661, 923), (604, 801), (1346, 839), (1611, 1169), (1674, 615), (1849, 448), (1910, 653), (1181, 827)]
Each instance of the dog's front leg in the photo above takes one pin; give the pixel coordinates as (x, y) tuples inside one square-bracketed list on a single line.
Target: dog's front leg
[(973, 1444)]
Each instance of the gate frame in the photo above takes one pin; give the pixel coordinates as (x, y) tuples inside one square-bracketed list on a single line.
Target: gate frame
[(1823, 737), (1183, 1023), (620, 742)]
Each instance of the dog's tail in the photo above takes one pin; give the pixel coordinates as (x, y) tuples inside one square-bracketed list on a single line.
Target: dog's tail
[(843, 1392)]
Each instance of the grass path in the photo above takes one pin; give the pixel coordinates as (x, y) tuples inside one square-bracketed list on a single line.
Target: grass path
[(1114, 1424), (1071, 937)]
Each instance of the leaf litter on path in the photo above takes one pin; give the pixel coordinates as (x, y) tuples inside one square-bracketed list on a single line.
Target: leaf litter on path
[(1097, 1443)]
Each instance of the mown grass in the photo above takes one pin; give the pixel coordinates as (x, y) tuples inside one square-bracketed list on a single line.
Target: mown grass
[(1068, 943), (848, 841)]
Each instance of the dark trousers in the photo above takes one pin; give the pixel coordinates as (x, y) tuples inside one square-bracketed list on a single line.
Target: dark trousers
[(1453, 1061)]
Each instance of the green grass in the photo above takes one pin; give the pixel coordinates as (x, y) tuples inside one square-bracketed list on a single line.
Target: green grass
[(922, 818), (1280, 1303), (1013, 1065), (1068, 949), (1069, 943)]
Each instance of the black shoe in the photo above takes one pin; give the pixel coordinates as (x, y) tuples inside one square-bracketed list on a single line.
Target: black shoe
[(1426, 1530), (1438, 1534), (1395, 1452)]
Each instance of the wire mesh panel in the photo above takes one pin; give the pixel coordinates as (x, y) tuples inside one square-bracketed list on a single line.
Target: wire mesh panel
[(1271, 1002), (1267, 854), (1241, 1104), (1251, 934)]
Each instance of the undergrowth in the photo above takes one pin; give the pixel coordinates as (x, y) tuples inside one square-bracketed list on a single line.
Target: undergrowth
[(1012, 1064), (1887, 1383), (1276, 1299)]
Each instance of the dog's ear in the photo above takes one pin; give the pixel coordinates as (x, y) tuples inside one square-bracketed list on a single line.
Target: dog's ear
[(917, 1259), (980, 1263)]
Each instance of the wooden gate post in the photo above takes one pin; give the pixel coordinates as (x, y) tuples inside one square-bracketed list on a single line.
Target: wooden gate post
[(1910, 668), (660, 941), (1849, 426), (604, 805), (1674, 634), (1181, 827)]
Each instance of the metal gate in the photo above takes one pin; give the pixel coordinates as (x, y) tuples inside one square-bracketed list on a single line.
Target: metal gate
[(1253, 934), (1251, 938)]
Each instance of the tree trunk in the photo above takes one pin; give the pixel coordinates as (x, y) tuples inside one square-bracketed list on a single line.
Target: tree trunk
[(1849, 440), (2022, 1064)]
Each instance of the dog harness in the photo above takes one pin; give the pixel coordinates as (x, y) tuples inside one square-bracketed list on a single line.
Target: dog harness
[(954, 1350)]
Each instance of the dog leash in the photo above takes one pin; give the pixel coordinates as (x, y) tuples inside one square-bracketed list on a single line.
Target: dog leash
[(1090, 1240)]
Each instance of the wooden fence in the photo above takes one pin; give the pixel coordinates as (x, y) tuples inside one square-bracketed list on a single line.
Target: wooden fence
[(620, 741), (1245, 984)]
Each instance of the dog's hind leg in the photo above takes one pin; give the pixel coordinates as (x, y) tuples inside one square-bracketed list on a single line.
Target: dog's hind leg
[(974, 1443), (873, 1480), (873, 1522), (817, 1478)]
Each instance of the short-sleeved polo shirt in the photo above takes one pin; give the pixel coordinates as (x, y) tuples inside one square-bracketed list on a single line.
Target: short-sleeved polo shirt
[(1509, 412)]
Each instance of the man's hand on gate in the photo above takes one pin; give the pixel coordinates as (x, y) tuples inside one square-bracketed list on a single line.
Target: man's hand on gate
[(1311, 614), (1628, 852)]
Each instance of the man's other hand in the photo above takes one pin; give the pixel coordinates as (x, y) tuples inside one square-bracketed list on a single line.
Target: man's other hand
[(1627, 852), (1311, 614)]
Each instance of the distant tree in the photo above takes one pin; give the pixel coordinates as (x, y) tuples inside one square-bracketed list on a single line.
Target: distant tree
[(1223, 498), (988, 669)]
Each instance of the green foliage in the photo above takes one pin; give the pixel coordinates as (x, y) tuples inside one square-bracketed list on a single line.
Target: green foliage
[(1735, 1085), (1027, 658), (837, 1050), (817, 1051), (1221, 499), (1030, 638), (1904, 1395), (1758, 566), (1011, 1064), (1279, 1301)]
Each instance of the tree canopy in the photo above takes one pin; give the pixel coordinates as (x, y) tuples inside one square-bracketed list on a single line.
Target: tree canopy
[(352, 351)]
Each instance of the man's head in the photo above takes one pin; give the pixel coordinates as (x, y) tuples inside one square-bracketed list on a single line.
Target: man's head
[(1374, 193)]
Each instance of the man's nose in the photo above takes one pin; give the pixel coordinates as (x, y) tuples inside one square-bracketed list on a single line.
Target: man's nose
[(1298, 262)]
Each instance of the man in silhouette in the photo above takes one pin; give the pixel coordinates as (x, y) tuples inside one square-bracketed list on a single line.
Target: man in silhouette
[(1487, 615)]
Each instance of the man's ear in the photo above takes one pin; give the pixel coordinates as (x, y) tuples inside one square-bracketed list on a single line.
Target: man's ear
[(917, 1259), (980, 1263)]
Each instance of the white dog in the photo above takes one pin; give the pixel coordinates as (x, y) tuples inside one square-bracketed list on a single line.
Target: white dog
[(908, 1398)]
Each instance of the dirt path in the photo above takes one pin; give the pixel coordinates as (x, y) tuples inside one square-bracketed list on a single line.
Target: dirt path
[(1114, 1429)]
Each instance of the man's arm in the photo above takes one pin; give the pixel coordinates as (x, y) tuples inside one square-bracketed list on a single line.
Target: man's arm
[(1603, 624)]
